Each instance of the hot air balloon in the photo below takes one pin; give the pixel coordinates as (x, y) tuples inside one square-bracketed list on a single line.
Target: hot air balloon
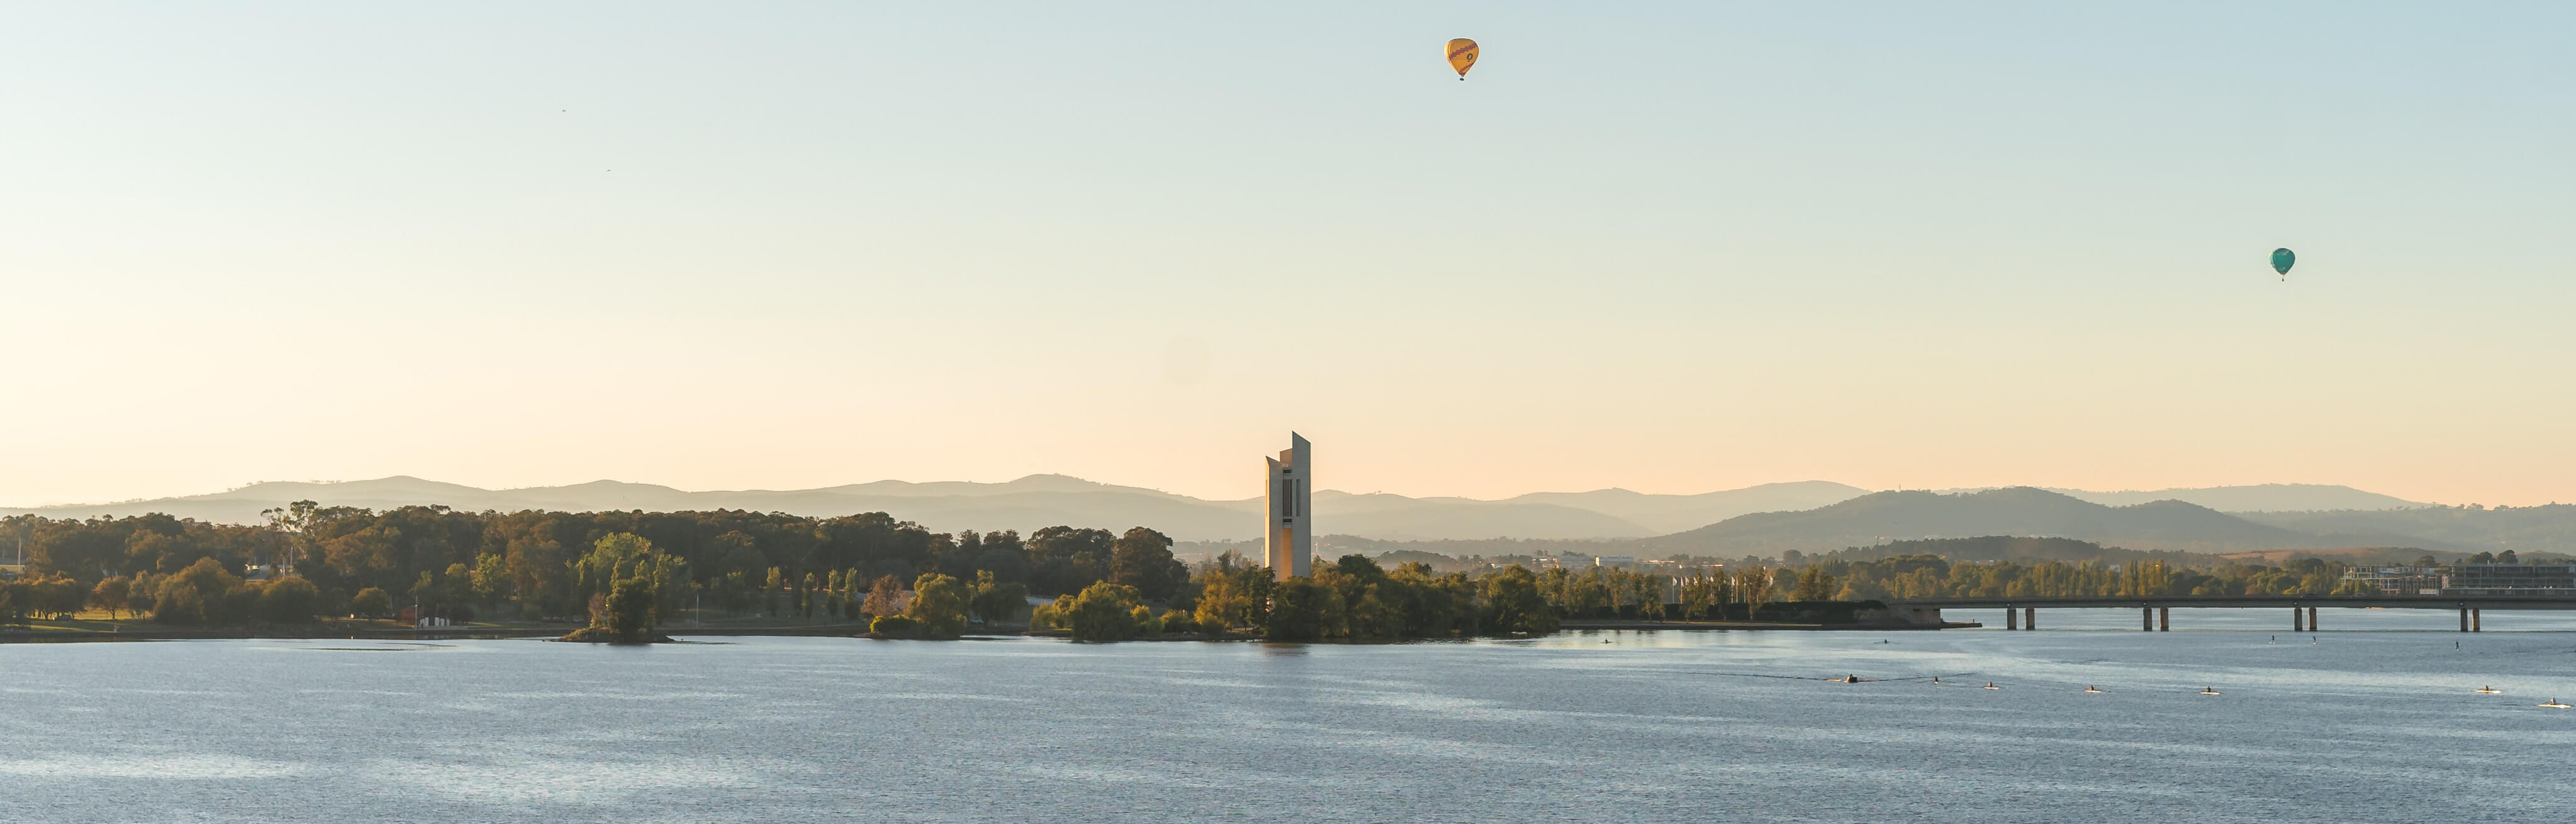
[(1462, 56), (2281, 260)]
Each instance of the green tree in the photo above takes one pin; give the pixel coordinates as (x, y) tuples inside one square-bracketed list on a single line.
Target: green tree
[(1103, 612), (491, 577), (289, 600), (1513, 603), (1142, 558), (629, 609), (1754, 584), (1232, 594), (202, 594), (1298, 611), (1813, 585), (994, 601), (938, 605), (371, 603), (110, 594)]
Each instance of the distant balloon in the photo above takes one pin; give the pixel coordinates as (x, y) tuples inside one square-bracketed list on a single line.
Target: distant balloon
[(1462, 56), (2281, 260)]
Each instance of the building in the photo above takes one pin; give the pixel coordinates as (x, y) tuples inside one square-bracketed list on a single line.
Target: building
[(1289, 540), (2398, 580), (2557, 580), (1615, 561), (2470, 580)]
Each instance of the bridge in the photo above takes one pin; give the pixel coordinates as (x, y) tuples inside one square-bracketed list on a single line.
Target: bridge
[(2156, 611)]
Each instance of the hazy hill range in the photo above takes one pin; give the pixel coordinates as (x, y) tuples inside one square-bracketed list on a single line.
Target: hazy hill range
[(2019, 511), (1025, 504), (2525, 529), (2255, 498), (1809, 516), (1662, 514)]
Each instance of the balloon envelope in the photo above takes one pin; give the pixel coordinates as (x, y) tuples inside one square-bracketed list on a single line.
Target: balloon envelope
[(1462, 56), (2281, 260)]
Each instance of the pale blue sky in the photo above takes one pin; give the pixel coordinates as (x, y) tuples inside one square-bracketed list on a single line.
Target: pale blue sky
[(1672, 247)]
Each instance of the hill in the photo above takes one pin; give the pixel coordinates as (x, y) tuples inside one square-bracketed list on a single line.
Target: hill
[(2009, 548), (2526, 529), (2254, 498), (1025, 504), (2021, 511), (1661, 514)]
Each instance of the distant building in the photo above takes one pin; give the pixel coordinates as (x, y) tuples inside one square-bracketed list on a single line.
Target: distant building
[(2398, 580), (2470, 580), (1289, 539), (1615, 561), (2509, 579)]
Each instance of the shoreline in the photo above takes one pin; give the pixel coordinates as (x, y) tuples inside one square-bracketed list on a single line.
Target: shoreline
[(61, 636)]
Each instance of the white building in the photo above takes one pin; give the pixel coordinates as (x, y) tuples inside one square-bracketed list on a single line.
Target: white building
[(1289, 539)]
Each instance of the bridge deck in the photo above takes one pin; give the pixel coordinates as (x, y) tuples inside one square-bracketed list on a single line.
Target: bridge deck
[(2246, 601)]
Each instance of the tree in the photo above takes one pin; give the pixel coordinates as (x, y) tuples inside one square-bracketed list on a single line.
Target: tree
[(288, 600), (1142, 558), (202, 594), (938, 605), (491, 577), (629, 609), (1513, 602), (882, 597), (371, 603), (1298, 611), (1065, 560), (1103, 612), (110, 595), (1813, 585), (293, 524), (994, 601), (1753, 584), (1232, 595)]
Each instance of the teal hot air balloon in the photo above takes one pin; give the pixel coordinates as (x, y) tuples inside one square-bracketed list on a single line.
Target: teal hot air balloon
[(2281, 260)]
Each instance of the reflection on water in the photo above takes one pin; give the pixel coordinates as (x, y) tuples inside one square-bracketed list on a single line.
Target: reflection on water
[(2373, 718)]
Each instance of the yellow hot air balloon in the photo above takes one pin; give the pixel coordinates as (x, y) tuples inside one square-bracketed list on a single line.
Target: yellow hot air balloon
[(1462, 56)]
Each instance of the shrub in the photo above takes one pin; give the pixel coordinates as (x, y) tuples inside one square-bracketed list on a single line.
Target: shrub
[(1104, 612), (939, 605), (1177, 621), (288, 601), (894, 626), (371, 603)]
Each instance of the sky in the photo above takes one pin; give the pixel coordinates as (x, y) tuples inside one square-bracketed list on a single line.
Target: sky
[(1670, 247)]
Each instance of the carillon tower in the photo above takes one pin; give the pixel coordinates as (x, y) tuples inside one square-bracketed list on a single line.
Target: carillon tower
[(1289, 540)]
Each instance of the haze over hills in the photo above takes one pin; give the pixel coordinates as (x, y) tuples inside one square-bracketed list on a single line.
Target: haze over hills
[(1809, 516), (2254, 498), (2016, 511)]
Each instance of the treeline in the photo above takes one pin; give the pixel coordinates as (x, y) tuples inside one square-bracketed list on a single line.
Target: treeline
[(1932, 576), (1353, 598), (532, 564)]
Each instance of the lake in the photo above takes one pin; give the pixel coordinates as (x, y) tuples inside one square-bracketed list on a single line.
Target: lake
[(2375, 720)]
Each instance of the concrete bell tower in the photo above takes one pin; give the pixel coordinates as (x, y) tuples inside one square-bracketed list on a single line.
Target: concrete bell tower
[(1289, 539)]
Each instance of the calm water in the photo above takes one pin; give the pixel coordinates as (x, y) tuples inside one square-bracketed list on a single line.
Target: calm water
[(2374, 721)]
